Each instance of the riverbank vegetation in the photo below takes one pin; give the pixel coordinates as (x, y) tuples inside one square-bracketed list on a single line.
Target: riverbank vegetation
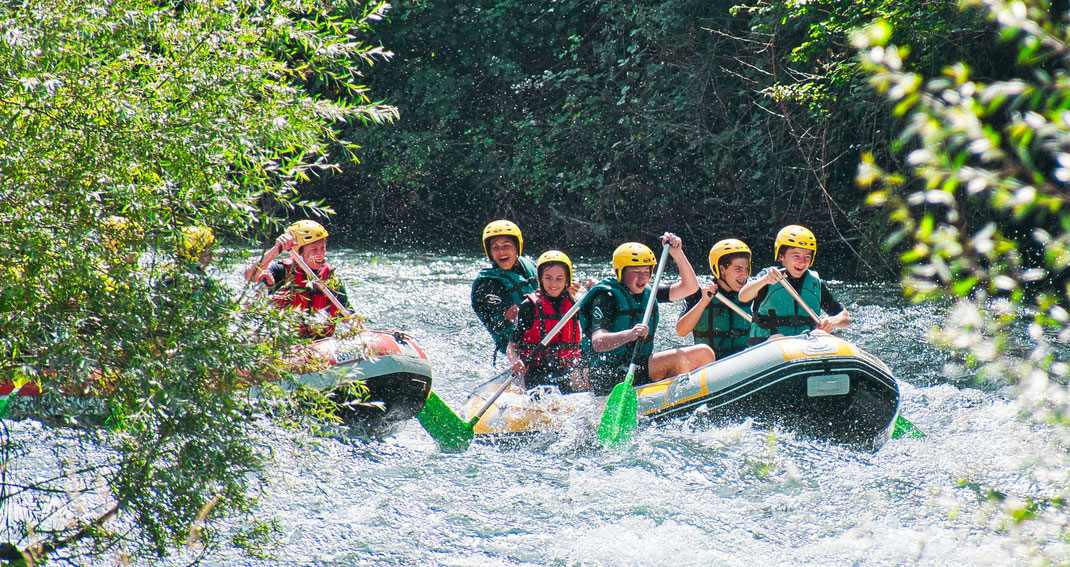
[(121, 123), (607, 121)]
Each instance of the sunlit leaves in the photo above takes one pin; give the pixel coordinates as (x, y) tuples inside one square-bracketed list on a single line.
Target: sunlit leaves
[(166, 114), (962, 141), (982, 210)]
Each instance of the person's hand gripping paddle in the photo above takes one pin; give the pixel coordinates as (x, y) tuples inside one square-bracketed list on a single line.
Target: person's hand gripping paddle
[(312, 277), (728, 303)]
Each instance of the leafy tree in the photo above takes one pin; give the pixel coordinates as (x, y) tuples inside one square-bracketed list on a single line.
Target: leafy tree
[(122, 122), (980, 204)]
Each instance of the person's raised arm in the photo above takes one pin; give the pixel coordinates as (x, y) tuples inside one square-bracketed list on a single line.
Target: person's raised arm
[(261, 269), (604, 341), (688, 283), (513, 352), (841, 318)]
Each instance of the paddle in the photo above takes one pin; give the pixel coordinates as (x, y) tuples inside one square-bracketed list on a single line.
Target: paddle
[(619, 417), (454, 434), (729, 304), (322, 286), (799, 300), (903, 426)]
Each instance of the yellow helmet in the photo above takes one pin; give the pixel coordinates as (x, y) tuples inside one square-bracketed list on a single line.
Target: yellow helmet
[(195, 240), (118, 230), (503, 228), (724, 247), (632, 254), (797, 236), (306, 232), (554, 256)]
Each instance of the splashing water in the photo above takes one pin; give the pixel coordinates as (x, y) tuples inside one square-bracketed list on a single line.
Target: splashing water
[(679, 495)]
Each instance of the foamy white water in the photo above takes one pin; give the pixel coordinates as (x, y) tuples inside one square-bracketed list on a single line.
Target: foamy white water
[(679, 495)]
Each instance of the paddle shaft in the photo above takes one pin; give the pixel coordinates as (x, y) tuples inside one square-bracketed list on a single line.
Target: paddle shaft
[(646, 314), (795, 294), (619, 416), (729, 304), (323, 287), (542, 345)]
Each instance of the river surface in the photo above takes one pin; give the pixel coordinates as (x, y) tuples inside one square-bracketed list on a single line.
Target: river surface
[(733, 495)]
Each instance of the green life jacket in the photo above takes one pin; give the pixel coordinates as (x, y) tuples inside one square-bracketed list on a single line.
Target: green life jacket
[(516, 287), (780, 313), (723, 329), (629, 314)]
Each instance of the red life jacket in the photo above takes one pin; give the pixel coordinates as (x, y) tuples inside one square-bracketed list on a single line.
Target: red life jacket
[(299, 293), (563, 351)]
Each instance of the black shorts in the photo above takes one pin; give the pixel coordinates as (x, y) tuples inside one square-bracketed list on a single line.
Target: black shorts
[(559, 377), (605, 378)]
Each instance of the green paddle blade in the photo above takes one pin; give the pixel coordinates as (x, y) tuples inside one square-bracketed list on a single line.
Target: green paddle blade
[(452, 433), (619, 417), (903, 428)]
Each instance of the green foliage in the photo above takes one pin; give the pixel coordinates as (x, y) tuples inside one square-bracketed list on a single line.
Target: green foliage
[(982, 208), (815, 36), (570, 113), (258, 539), (331, 406), (167, 114), (980, 205), (591, 121)]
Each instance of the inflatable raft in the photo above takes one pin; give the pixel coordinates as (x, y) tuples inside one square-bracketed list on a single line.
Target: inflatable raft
[(393, 367), (391, 364), (816, 384)]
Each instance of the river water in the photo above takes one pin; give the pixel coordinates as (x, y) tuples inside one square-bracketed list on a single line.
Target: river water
[(734, 495)]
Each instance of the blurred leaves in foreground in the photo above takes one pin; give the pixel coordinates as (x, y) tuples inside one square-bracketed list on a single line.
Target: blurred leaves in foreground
[(980, 216), (122, 122)]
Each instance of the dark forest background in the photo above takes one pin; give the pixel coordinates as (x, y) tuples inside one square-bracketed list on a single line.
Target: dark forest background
[(593, 122)]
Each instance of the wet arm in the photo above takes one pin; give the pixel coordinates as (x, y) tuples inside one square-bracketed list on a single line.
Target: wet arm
[(255, 272), (524, 320), (750, 290), (517, 365), (688, 320), (840, 320), (604, 341), (688, 283), (829, 304)]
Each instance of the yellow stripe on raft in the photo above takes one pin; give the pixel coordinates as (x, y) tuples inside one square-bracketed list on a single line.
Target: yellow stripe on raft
[(516, 412), (797, 350), (661, 387)]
